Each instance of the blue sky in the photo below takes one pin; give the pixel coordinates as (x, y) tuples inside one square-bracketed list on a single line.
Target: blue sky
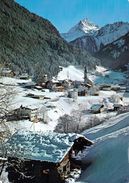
[(66, 13)]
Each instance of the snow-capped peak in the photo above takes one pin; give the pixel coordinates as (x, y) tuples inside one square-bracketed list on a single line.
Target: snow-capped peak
[(111, 32), (84, 27)]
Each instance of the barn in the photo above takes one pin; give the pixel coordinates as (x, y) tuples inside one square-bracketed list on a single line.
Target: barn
[(37, 157)]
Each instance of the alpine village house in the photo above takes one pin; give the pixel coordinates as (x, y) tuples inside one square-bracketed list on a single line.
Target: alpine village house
[(37, 157)]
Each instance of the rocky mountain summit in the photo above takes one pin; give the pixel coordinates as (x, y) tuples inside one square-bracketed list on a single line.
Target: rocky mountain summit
[(82, 28)]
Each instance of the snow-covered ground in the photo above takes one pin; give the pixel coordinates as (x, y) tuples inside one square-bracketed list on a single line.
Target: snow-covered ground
[(111, 137), (72, 73), (101, 75), (58, 105), (110, 153)]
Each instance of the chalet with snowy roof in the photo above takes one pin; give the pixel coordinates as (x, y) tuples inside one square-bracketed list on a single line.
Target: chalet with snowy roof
[(22, 113), (82, 90), (73, 93), (42, 157), (6, 72), (97, 108), (29, 85), (31, 95), (24, 76), (58, 86), (38, 87)]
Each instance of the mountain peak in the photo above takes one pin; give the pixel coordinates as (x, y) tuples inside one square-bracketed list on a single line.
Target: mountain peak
[(86, 22), (83, 27)]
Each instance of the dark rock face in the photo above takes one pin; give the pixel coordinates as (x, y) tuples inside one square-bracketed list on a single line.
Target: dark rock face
[(32, 44), (116, 54), (87, 43)]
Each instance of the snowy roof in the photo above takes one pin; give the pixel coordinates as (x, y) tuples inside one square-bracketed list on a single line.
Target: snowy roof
[(48, 146), (29, 84), (6, 71), (96, 107)]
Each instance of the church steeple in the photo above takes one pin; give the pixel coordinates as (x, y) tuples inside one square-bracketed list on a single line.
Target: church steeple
[(85, 74)]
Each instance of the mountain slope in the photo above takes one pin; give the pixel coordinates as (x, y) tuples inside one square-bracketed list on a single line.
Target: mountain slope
[(109, 155), (32, 44), (111, 32), (87, 43), (102, 37), (84, 27), (116, 54)]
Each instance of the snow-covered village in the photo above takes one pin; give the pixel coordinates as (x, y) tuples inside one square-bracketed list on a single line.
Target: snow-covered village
[(75, 102), (64, 99)]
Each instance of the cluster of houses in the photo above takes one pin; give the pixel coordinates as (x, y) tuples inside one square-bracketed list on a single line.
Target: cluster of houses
[(113, 103), (79, 88), (72, 89), (60, 86), (86, 87)]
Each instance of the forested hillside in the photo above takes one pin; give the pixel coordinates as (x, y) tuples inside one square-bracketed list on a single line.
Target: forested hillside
[(29, 43)]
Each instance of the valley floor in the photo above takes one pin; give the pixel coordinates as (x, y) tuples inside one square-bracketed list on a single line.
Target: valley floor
[(110, 153)]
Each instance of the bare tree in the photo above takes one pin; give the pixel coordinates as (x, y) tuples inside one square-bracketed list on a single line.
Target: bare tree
[(77, 122), (69, 124), (6, 96)]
